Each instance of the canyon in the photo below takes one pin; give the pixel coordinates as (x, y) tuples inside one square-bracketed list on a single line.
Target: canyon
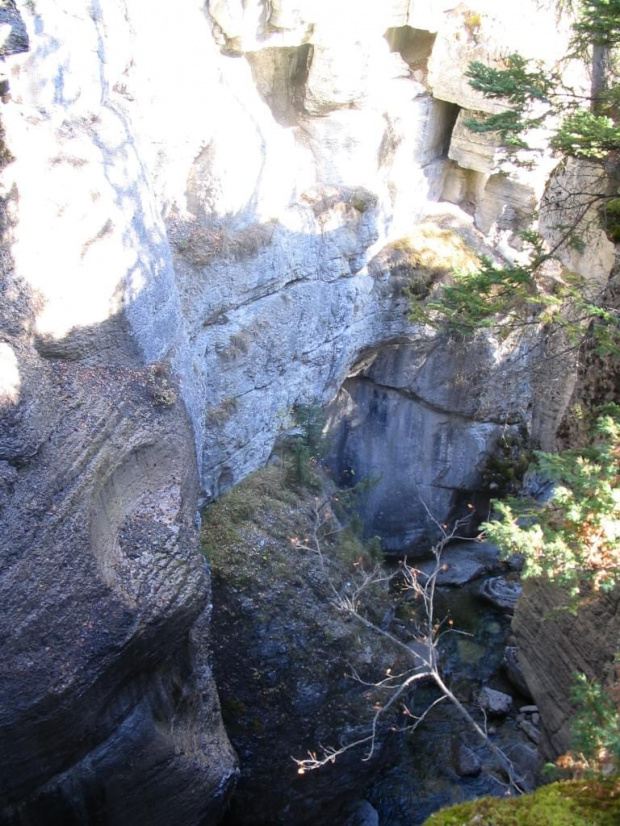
[(212, 213)]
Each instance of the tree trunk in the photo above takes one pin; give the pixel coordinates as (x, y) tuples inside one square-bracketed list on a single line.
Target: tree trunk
[(600, 69)]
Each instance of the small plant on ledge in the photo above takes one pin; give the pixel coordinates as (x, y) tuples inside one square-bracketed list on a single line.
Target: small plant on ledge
[(574, 538)]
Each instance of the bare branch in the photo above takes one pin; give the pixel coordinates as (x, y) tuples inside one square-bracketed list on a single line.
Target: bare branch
[(422, 651)]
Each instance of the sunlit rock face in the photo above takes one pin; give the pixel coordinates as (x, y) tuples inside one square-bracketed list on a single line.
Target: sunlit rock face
[(109, 711), (195, 201)]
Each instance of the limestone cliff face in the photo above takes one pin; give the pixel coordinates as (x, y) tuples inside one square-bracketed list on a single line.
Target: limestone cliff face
[(195, 201), (109, 710)]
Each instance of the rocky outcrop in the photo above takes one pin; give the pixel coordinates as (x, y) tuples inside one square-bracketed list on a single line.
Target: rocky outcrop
[(295, 674), (105, 600), (13, 35), (555, 645), (454, 404), (109, 709)]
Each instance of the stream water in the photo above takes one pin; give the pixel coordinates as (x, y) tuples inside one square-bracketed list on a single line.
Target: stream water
[(424, 777)]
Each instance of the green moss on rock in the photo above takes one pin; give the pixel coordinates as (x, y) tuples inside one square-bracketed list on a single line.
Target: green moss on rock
[(573, 803)]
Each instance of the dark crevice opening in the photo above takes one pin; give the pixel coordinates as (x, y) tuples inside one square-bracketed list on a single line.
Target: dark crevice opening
[(413, 45), (280, 75)]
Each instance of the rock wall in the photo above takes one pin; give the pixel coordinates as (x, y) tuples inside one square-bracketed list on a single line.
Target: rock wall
[(193, 197), (109, 710), (421, 420), (556, 645)]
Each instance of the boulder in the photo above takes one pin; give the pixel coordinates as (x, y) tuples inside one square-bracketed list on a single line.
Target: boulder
[(528, 727), (464, 562), (362, 814), (526, 762), (500, 592), (465, 761), (514, 672), (496, 703)]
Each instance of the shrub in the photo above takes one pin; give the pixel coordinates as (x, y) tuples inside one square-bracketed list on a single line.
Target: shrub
[(163, 393), (574, 538), (596, 726), (307, 446)]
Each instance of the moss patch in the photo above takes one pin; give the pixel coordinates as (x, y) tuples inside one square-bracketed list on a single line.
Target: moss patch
[(283, 654), (431, 253), (575, 803)]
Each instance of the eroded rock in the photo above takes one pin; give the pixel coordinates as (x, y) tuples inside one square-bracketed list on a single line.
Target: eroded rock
[(105, 599), (466, 761), (496, 703), (186, 254), (501, 592), (464, 562), (513, 669), (554, 645)]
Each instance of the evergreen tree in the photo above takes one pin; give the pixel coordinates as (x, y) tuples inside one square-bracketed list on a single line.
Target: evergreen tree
[(589, 130), (574, 538)]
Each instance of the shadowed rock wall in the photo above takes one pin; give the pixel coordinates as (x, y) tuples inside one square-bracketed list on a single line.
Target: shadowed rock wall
[(555, 646)]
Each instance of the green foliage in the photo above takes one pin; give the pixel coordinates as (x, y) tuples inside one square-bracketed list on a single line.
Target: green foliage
[(506, 297), (510, 126), (505, 469), (475, 300), (575, 803), (533, 95), (515, 82), (307, 446), (574, 539), (514, 296), (586, 135), (596, 726), (523, 85), (611, 218), (598, 23)]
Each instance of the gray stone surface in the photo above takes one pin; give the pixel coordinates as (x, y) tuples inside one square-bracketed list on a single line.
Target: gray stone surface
[(13, 34), (530, 730), (501, 592), (526, 763), (465, 761), (496, 703), (363, 814), (513, 669), (105, 600), (421, 419), (464, 562)]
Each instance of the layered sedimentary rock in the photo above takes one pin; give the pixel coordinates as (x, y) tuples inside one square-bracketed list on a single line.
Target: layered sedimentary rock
[(109, 711), (193, 199), (558, 645)]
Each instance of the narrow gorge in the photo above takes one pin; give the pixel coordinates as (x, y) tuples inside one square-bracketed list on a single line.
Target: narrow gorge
[(212, 214)]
